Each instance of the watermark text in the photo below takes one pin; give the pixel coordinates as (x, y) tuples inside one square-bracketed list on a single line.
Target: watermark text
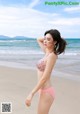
[(56, 3)]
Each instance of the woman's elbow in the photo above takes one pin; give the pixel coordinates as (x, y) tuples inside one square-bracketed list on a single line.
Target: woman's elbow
[(39, 39), (44, 80)]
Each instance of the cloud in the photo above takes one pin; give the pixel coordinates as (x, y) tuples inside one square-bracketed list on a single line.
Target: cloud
[(72, 9), (29, 22), (33, 3), (22, 21), (66, 21)]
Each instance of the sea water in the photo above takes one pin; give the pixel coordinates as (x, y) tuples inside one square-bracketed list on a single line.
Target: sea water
[(28, 51)]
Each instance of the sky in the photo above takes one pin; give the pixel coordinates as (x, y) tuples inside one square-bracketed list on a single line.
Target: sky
[(32, 18)]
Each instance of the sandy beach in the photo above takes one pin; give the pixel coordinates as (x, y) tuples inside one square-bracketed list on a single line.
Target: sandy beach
[(16, 83)]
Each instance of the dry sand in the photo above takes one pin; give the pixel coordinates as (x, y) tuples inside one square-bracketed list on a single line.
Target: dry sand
[(16, 83)]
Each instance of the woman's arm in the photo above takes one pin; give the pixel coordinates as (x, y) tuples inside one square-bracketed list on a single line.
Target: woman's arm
[(46, 75), (41, 43)]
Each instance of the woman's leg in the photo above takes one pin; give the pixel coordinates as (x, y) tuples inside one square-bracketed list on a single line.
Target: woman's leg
[(45, 102)]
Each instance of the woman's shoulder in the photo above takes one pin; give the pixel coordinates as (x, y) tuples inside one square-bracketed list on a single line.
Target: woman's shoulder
[(53, 55), (51, 60)]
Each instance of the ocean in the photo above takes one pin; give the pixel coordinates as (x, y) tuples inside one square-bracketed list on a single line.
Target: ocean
[(26, 52), (30, 46)]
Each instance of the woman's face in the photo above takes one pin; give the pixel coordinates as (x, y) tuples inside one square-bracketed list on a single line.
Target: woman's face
[(48, 41)]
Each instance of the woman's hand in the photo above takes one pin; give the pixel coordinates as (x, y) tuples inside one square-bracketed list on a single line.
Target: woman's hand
[(29, 99)]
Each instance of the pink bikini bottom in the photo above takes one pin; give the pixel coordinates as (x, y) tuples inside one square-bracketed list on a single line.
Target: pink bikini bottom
[(49, 90)]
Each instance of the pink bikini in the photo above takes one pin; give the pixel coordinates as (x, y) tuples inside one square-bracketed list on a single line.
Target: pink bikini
[(41, 66), (49, 90)]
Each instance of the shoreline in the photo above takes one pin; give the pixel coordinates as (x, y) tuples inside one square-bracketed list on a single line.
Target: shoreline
[(55, 73)]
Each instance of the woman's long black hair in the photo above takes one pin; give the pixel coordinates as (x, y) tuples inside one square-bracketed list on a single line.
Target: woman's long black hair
[(60, 42)]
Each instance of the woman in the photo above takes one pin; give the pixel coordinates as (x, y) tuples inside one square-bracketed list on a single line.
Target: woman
[(52, 44)]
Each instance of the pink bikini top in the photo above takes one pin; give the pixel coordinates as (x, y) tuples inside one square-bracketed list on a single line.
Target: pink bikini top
[(41, 64)]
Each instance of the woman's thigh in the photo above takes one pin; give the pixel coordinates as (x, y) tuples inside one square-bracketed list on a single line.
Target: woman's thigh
[(45, 102)]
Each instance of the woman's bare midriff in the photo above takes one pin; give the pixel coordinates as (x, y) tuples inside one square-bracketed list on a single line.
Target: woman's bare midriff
[(48, 83)]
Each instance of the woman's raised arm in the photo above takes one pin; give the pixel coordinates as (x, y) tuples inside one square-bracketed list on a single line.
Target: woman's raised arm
[(41, 43)]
